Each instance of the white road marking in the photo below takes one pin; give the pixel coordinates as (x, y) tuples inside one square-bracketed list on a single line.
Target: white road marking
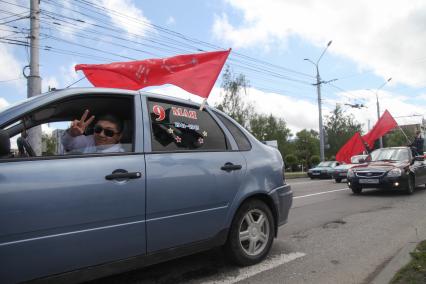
[(318, 193), (268, 264), (309, 181)]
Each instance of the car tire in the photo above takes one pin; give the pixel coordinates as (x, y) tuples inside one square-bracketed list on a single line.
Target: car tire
[(251, 234), (356, 189), (338, 180), (410, 185)]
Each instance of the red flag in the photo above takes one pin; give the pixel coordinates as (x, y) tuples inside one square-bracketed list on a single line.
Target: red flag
[(195, 73), (382, 126), (354, 146)]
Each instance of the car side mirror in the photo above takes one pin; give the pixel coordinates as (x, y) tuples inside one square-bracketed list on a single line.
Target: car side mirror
[(4, 144)]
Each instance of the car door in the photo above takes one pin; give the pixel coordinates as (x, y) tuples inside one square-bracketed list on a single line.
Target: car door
[(192, 176), (63, 213)]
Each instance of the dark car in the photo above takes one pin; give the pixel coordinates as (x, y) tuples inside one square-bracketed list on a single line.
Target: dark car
[(340, 172), (323, 170), (389, 168)]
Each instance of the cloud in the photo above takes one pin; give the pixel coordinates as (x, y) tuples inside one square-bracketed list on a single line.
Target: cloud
[(171, 21), (10, 66), (385, 36), (134, 22)]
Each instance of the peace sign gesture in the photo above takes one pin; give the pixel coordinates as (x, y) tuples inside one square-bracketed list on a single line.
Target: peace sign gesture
[(78, 126)]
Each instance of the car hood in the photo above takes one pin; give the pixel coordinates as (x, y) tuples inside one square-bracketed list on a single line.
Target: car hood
[(382, 166)]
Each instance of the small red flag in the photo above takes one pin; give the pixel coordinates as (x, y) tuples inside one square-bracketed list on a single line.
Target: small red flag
[(382, 126), (195, 73), (354, 146)]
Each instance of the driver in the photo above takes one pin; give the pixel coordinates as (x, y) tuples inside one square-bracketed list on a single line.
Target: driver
[(106, 138)]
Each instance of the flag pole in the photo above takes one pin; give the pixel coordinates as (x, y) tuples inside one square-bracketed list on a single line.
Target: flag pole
[(203, 104), (408, 140)]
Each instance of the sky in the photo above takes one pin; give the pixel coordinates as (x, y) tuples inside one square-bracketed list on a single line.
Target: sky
[(372, 41)]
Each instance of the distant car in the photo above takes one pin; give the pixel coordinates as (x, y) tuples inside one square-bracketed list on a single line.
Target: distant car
[(187, 180), (323, 170), (389, 168), (340, 172)]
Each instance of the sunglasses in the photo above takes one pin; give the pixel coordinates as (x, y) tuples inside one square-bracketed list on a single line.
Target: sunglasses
[(107, 132)]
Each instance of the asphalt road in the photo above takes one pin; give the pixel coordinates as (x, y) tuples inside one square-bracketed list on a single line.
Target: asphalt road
[(332, 236)]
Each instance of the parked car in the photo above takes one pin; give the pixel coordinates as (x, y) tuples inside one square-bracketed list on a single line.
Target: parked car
[(323, 170), (389, 168), (188, 180), (340, 172)]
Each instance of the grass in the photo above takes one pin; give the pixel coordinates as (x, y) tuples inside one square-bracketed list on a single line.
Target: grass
[(289, 175), (415, 271)]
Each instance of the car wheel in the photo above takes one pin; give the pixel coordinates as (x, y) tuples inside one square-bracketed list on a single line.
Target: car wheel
[(410, 185), (251, 234), (338, 180), (356, 189)]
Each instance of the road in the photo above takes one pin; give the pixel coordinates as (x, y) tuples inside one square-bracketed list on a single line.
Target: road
[(332, 236)]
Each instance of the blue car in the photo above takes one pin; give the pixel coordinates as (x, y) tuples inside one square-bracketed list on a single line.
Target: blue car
[(177, 181)]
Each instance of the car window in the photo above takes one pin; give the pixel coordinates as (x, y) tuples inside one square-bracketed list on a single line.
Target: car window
[(390, 155), (109, 131), (242, 141), (178, 127)]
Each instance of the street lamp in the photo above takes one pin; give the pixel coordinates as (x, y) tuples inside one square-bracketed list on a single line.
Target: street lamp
[(318, 84), (378, 106)]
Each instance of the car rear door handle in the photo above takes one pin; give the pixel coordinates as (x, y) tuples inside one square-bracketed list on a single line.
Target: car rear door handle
[(230, 167), (123, 175)]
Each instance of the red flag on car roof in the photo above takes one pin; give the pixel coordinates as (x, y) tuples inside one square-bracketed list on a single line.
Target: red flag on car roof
[(354, 146), (195, 73), (382, 126)]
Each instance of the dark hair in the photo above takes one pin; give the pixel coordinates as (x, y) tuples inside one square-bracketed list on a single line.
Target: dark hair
[(111, 118)]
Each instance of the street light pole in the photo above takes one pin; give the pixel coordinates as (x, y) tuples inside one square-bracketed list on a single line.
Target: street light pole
[(318, 84), (378, 106)]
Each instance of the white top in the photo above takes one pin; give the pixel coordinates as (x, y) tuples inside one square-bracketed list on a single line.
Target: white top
[(86, 144)]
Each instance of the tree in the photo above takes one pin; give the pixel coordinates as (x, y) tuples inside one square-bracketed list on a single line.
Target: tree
[(233, 102), (291, 161), (397, 138), (307, 145), (315, 160), (339, 128), (265, 127), (49, 144)]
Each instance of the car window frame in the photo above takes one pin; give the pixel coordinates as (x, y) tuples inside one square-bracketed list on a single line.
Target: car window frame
[(137, 148)]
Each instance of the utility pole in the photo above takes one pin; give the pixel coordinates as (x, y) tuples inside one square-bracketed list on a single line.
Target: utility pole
[(378, 106), (34, 79), (318, 84)]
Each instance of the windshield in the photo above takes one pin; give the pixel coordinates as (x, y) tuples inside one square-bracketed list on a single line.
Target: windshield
[(325, 164), (390, 155)]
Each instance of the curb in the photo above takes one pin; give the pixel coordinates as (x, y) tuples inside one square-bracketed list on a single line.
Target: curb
[(399, 260)]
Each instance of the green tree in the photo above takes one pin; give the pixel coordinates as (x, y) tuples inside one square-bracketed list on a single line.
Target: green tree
[(233, 102), (307, 145), (49, 144), (315, 159), (339, 128), (291, 161), (265, 127), (397, 138)]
